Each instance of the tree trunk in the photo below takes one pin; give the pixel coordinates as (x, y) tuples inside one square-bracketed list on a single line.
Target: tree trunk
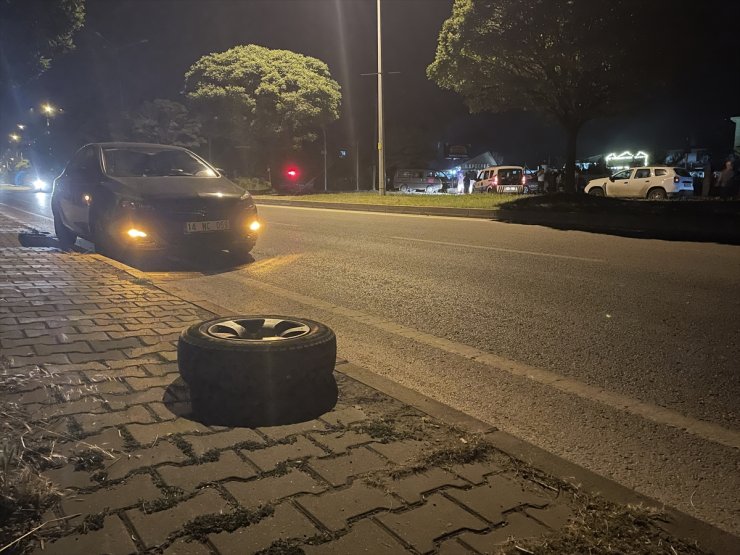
[(571, 132)]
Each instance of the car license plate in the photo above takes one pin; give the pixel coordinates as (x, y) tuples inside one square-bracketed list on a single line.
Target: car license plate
[(200, 227), (510, 189)]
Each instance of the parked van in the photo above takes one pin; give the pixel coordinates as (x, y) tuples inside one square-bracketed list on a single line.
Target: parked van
[(420, 181), (501, 179)]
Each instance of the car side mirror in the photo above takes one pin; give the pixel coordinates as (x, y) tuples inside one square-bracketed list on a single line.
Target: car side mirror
[(611, 178)]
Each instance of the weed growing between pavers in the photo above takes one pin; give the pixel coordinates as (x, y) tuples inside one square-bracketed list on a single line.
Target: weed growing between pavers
[(599, 526), (200, 527), (88, 460), (212, 455), (142, 281), (129, 442), (385, 430), (183, 445), (282, 547), (24, 493), (74, 429), (248, 445), (171, 496), (91, 523)]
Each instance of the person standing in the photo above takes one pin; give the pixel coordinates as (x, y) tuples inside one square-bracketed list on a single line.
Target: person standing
[(541, 180), (726, 180)]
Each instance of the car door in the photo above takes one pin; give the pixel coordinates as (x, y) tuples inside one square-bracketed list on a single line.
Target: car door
[(618, 184), (78, 187), (640, 183)]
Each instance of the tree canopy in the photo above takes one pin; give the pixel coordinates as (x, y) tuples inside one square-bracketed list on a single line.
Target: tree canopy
[(165, 122), (573, 60), (262, 98), (32, 32)]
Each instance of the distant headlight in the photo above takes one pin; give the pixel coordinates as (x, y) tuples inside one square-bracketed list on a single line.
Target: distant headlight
[(39, 184)]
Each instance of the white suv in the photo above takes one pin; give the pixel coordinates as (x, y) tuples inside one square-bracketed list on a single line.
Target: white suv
[(654, 182)]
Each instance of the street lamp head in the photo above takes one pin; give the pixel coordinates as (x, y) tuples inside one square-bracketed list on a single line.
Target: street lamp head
[(48, 109), (14, 137), (21, 126)]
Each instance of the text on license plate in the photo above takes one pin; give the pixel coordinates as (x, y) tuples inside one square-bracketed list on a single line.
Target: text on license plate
[(198, 227)]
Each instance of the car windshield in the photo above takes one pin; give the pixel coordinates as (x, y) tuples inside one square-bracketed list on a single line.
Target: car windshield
[(149, 162)]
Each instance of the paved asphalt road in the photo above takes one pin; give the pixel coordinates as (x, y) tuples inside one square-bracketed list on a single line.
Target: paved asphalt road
[(621, 355)]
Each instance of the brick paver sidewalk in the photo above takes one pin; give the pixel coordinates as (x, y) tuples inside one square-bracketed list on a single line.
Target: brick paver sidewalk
[(89, 362)]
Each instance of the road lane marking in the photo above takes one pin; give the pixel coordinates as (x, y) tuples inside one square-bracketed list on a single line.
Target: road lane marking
[(281, 224), (26, 211), (501, 249), (667, 417)]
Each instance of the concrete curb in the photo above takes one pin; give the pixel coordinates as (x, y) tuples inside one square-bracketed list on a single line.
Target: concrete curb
[(679, 524), (724, 229)]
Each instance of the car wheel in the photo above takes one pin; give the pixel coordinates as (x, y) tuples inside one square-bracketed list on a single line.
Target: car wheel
[(65, 236), (596, 192), (242, 252), (656, 194), (258, 370), (404, 189)]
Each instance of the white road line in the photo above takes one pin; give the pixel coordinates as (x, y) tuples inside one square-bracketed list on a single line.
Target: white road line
[(26, 211), (281, 224), (667, 417), (501, 249)]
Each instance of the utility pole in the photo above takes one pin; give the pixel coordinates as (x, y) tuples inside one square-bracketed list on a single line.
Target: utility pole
[(357, 165), (381, 135)]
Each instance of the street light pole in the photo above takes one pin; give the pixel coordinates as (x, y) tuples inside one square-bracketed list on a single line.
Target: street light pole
[(381, 136)]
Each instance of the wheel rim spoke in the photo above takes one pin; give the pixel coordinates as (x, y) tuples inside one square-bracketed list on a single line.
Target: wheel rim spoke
[(258, 329)]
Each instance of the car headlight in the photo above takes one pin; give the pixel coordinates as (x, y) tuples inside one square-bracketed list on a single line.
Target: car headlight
[(39, 184)]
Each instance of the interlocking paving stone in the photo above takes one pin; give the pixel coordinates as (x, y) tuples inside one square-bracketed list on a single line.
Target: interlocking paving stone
[(223, 440), (38, 395), (411, 488), (77, 347), (109, 439), (553, 516), (118, 402), (155, 527), (146, 434), (281, 432), (67, 477), (183, 547), (335, 508), (436, 518), (93, 422), (338, 470), (496, 497), (87, 357), (112, 344), (401, 451), (146, 383), (73, 392), (126, 494), (339, 442), (164, 452), (344, 417), (112, 539), (454, 547), (267, 459), (286, 523), (476, 473), (87, 405), (517, 526), (364, 537), (161, 410), (103, 375), (265, 490), (229, 465)]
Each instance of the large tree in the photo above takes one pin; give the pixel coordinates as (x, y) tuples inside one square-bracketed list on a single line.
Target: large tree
[(572, 60), (165, 122), (32, 32), (264, 100)]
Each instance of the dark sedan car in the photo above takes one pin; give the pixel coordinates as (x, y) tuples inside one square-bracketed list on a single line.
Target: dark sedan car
[(128, 196)]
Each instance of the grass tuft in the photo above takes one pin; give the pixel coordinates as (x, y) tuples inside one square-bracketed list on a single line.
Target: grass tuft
[(200, 527)]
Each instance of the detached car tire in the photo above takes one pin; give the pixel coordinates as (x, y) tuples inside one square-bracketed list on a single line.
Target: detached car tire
[(258, 370)]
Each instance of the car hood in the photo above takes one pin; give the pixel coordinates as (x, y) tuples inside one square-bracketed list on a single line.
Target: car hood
[(157, 188)]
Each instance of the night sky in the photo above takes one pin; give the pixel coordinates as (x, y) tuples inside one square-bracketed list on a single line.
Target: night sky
[(136, 50)]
